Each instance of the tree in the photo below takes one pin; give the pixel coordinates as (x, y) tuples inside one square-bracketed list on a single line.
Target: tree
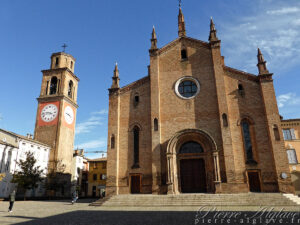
[(29, 174), (56, 177)]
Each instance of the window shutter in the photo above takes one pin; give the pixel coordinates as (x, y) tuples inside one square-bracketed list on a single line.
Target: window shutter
[(293, 134), (292, 156)]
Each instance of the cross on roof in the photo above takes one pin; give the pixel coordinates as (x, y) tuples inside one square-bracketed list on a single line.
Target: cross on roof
[(64, 47), (179, 3)]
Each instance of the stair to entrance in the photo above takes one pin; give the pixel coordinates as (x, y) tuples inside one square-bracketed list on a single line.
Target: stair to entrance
[(197, 200), (293, 197)]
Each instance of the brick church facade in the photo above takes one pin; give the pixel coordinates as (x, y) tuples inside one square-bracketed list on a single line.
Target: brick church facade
[(194, 125)]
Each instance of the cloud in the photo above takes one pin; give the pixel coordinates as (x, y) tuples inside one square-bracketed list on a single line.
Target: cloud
[(286, 10), (92, 122), (289, 99), (277, 37), (101, 112), (92, 144)]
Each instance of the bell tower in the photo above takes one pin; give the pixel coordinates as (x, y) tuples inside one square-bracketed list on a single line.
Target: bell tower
[(56, 112)]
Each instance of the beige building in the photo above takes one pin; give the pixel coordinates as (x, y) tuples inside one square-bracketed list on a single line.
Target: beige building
[(291, 133), (97, 176), (194, 124)]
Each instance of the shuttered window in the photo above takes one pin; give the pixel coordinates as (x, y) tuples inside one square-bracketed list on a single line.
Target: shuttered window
[(292, 156), (289, 134)]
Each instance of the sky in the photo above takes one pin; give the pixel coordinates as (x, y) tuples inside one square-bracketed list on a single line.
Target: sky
[(101, 32)]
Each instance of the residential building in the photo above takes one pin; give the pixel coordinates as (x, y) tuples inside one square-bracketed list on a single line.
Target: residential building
[(291, 134), (97, 176), (13, 148), (77, 168)]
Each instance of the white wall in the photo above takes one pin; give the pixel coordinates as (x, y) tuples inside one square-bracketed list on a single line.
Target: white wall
[(10, 155)]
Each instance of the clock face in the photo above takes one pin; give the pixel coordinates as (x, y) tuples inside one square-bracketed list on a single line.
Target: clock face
[(49, 113), (69, 115)]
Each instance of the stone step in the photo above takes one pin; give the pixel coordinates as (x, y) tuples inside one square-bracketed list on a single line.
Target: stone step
[(247, 199)]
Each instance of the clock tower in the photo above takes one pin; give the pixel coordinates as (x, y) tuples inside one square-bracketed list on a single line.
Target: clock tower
[(56, 113)]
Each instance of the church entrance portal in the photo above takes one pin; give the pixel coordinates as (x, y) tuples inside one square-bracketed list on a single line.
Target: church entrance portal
[(192, 162), (192, 174)]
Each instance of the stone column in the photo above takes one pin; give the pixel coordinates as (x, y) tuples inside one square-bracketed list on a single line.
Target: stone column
[(217, 167), (170, 174)]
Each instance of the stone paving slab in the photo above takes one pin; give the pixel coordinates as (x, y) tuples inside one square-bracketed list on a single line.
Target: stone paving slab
[(63, 212)]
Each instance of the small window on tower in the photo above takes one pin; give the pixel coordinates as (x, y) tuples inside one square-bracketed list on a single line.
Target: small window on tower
[(241, 90), (71, 64), (53, 85), (112, 142), (183, 54), (136, 100), (56, 61), (155, 124), (70, 89), (225, 120)]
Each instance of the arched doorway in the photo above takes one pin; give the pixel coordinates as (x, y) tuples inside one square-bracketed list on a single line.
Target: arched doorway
[(192, 162), (192, 168)]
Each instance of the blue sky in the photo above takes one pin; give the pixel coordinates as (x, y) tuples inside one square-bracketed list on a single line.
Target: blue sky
[(99, 33)]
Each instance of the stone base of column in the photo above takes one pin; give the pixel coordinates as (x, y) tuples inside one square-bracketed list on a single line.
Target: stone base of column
[(170, 189), (155, 189)]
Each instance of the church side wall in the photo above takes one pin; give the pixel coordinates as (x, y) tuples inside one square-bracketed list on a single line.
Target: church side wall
[(135, 115), (249, 106)]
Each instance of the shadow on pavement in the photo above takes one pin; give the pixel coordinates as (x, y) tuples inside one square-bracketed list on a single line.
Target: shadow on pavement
[(165, 218)]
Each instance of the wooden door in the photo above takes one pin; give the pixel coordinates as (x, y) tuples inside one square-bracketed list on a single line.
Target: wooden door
[(254, 181), (192, 175), (135, 184)]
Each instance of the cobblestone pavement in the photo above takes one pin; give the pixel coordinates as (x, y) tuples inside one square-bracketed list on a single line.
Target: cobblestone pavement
[(63, 212)]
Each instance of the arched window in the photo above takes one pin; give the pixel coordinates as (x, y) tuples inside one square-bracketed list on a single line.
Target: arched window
[(241, 90), (136, 134), (248, 143), (53, 85), (70, 89), (225, 121), (183, 54), (276, 133), (136, 99), (191, 147), (112, 142), (56, 61), (71, 64), (155, 124)]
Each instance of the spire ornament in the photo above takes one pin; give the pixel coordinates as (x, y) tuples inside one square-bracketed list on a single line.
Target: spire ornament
[(262, 64), (213, 32), (153, 39), (181, 24), (115, 80)]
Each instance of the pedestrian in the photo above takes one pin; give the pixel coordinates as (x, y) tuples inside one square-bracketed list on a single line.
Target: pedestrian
[(74, 196), (12, 198)]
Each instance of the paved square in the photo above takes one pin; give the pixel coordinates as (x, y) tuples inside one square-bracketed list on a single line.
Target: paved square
[(63, 212)]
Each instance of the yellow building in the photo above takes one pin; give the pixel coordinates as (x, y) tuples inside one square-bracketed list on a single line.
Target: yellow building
[(291, 134), (96, 176)]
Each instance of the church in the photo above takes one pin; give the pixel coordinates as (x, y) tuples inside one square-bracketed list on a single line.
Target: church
[(195, 125)]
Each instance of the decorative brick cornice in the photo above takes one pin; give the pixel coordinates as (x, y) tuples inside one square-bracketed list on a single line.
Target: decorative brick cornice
[(53, 98), (173, 43), (50, 71), (134, 84), (265, 77), (248, 76)]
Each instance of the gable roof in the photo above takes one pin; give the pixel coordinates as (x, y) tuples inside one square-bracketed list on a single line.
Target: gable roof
[(24, 137)]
